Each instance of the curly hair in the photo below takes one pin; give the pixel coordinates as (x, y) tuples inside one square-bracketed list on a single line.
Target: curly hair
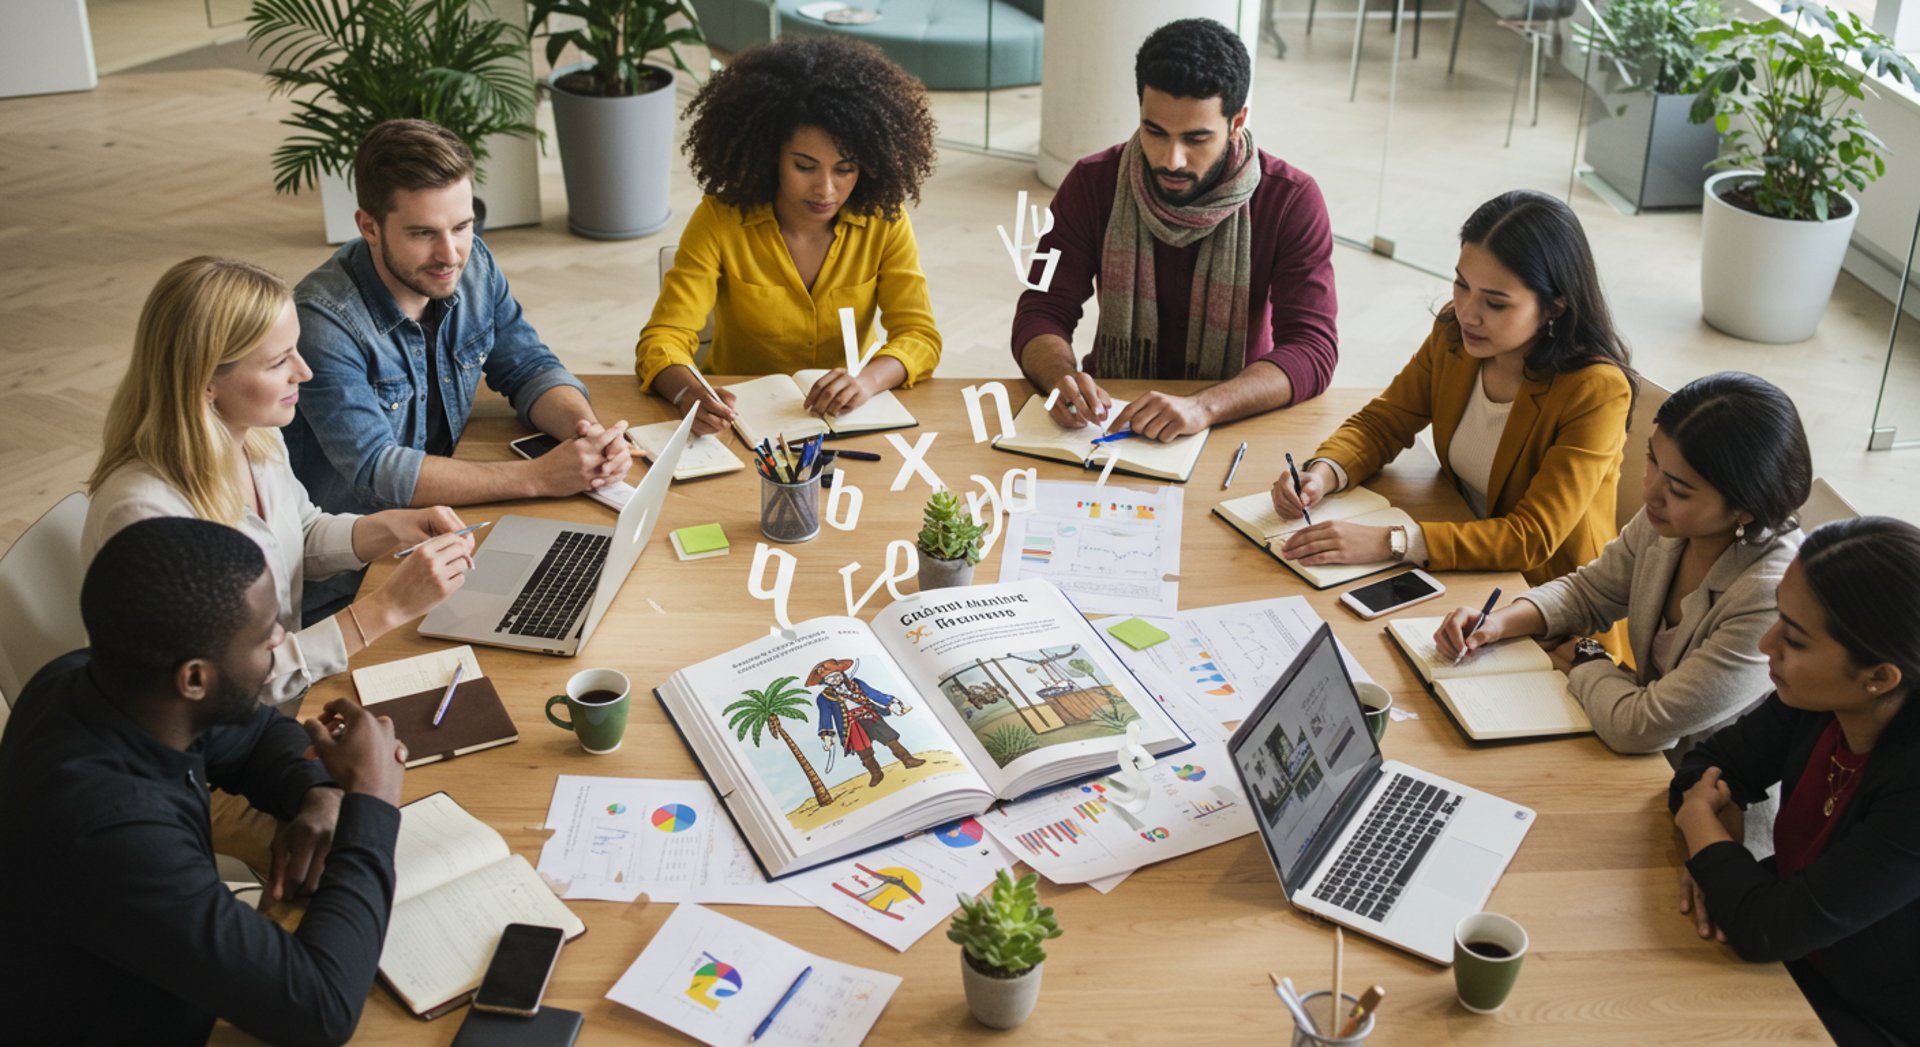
[(873, 110), (1195, 58)]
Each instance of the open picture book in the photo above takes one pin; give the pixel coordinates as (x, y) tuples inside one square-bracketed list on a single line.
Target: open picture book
[(1037, 435), (456, 887), (774, 405), (1254, 516), (851, 735), (1506, 690)]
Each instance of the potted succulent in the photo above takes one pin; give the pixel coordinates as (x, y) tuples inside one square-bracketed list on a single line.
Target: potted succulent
[(1000, 951), (1774, 227), (351, 64), (949, 543), (613, 111), (1645, 146)]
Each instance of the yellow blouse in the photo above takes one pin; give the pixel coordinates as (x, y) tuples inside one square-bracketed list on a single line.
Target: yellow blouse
[(765, 320)]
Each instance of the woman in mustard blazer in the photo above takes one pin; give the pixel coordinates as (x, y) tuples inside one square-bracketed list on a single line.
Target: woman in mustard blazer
[(1527, 388), (806, 147)]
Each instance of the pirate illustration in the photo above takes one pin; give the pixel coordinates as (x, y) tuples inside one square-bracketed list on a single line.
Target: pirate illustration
[(852, 711)]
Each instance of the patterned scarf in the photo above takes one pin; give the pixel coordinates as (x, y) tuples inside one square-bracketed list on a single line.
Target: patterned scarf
[(1217, 310)]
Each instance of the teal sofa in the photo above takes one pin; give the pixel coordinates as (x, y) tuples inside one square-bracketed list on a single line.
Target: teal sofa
[(943, 42)]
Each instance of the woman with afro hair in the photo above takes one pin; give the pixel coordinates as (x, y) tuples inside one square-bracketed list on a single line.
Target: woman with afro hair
[(806, 148)]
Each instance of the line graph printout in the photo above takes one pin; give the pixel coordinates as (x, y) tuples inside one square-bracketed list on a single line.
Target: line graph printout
[(1109, 547), (618, 838)]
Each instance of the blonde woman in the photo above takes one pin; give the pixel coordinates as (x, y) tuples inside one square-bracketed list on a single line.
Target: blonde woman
[(195, 431)]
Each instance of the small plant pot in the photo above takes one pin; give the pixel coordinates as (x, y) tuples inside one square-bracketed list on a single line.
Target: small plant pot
[(1000, 1003), (936, 573)]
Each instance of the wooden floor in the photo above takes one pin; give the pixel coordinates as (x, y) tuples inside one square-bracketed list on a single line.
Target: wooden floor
[(101, 191)]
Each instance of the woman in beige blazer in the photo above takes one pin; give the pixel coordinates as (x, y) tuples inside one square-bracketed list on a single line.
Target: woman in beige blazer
[(1693, 573)]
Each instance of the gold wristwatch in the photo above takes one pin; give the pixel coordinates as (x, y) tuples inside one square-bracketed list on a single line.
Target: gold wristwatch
[(1397, 541)]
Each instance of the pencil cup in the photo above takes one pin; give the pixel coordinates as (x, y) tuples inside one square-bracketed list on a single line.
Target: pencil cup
[(1315, 1004), (789, 512)]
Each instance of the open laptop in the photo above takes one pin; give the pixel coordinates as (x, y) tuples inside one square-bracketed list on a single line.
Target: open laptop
[(1383, 848), (543, 585)]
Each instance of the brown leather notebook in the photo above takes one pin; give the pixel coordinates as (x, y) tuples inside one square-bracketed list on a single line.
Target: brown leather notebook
[(476, 719)]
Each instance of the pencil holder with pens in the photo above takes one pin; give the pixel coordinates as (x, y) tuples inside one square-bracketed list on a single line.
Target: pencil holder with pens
[(1315, 1005), (789, 512)]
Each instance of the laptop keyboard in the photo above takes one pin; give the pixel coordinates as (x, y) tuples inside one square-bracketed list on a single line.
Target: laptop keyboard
[(559, 588), (1370, 873)]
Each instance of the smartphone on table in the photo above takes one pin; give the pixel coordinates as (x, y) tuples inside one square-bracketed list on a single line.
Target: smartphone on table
[(516, 978), (1392, 594), (614, 495)]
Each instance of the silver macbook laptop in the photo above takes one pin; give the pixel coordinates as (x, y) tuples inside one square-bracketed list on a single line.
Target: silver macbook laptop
[(543, 585), (1386, 849)]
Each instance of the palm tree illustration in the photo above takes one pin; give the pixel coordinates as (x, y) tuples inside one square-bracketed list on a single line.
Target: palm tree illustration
[(761, 711)]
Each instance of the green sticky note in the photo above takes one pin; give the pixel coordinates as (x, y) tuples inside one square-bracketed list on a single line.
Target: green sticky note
[(1136, 633), (702, 539)]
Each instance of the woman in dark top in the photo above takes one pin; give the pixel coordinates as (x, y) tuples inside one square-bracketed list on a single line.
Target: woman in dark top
[(1839, 901)]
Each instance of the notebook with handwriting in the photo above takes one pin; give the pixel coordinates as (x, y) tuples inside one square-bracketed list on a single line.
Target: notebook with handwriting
[(1253, 515), (774, 405), (1037, 435), (1507, 690)]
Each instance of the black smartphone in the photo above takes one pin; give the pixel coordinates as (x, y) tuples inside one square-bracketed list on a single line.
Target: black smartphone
[(534, 446), (1392, 594), (517, 977)]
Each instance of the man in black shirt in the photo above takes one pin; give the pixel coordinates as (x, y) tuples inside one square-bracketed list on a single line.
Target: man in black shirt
[(118, 928)]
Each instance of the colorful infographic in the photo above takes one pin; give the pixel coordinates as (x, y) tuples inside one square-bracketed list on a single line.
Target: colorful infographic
[(961, 834), (673, 818), (899, 893), (883, 890), (713, 981)]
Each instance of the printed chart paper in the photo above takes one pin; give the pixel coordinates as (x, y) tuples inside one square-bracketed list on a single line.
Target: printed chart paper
[(899, 893), (1108, 547), (715, 979), (618, 838), (1080, 833)]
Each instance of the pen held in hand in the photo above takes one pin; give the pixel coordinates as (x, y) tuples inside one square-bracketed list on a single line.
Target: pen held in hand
[(1297, 493), (469, 529), (1492, 598), (1123, 434)]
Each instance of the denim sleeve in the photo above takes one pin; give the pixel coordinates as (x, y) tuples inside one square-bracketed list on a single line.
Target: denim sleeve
[(345, 415), (519, 366)]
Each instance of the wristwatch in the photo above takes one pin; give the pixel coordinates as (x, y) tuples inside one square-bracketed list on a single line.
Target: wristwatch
[(1397, 541), (1587, 649)]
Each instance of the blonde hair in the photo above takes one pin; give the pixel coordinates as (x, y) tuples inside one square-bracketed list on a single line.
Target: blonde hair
[(204, 314)]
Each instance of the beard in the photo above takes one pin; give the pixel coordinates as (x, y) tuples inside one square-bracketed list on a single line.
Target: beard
[(412, 279), (1200, 187), (233, 702)]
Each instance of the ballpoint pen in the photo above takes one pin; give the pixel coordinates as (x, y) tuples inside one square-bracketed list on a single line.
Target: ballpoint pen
[(767, 1022), (440, 713), (469, 529), (1111, 437), (1304, 515), (1235, 467), (1492, 597)]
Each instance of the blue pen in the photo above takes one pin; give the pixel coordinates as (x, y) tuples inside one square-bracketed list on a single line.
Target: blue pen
[(1111, 437), (458, 671), (1296, 490), (767, 1022)]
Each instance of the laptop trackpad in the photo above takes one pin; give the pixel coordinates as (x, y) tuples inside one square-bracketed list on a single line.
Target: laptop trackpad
[(1460, 870), (498, 572)]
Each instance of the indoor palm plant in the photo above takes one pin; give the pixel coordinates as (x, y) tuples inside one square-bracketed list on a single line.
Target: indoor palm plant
[(949, 543), (613, 110), (1645, 146), (350, 64), (1001, 954), (1776, 224)]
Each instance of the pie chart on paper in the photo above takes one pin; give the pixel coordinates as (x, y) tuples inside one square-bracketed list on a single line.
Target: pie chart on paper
[(960, 834), (673, 818)]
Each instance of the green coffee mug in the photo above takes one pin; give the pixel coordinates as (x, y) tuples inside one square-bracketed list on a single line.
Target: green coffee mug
[(596, 702), (1487, 950), (1377, 703)]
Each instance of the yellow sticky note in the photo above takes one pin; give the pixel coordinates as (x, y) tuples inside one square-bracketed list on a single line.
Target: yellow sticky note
[(1137, 633), (704, 540)]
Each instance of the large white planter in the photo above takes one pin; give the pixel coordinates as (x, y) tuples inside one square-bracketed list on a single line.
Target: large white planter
[(1767, 279), (337, 205)]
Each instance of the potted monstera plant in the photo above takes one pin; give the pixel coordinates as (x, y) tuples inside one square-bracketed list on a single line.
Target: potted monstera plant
[(1001, 955), (613, 110), (1775, 224), (949, 543), (351, 64), (1644, 145)]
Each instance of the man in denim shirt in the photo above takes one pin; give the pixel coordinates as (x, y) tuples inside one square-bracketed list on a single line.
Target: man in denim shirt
[(399, 327)]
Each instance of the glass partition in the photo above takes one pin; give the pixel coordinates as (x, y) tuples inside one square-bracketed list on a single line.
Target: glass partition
[(1896, 415)]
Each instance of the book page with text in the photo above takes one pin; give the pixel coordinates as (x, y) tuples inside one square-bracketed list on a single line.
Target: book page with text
[(1515, 705), (771, 406), (439, 943), (1519, 655), (883, 410), (440, 842)]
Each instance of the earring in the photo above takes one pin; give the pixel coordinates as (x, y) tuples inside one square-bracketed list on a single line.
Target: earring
[(1740, 533), (1549, 329)]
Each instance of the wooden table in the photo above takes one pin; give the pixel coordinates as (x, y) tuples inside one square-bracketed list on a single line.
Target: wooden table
[(1179, 953)]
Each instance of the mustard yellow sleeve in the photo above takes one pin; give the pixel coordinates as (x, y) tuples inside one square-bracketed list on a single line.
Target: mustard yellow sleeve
[(687, 294), (906, 310), (1389, 422), (1590, 431)]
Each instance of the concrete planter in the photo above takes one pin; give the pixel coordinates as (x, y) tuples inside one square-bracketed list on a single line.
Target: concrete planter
[(1000, 1003), (1767, 279), (1650, 152), (936, 573), (616, 154)]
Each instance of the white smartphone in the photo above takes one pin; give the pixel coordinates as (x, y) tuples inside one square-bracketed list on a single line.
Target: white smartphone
[(614, 496), (1392, 594)]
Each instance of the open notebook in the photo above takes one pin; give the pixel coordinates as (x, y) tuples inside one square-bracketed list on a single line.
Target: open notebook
[(1507, 690), (853, 735), (704, 455), (773, 406), (456, 887), (1037, 435), (1253, 516)]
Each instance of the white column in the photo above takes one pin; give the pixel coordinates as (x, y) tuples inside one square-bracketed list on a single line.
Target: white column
[(1899, 21), (1087, 101), (45, 47)]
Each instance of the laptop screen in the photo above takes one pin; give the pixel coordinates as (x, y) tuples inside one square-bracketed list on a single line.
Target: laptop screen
[(1300, 750)]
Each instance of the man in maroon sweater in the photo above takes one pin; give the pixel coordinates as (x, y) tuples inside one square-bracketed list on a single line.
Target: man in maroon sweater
[(1211, 259)]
